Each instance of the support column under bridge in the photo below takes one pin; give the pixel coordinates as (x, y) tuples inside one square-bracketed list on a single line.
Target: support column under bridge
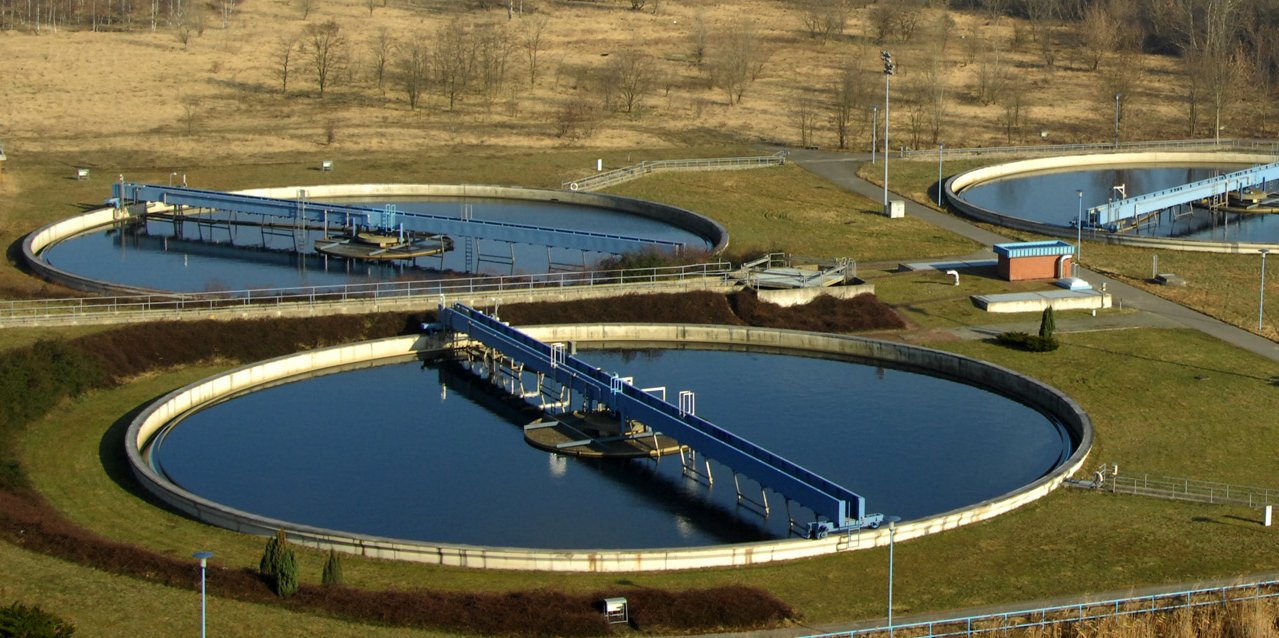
[(836, 507)]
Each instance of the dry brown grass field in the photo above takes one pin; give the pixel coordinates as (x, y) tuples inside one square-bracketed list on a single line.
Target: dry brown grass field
[(218, 96), (145, 103)]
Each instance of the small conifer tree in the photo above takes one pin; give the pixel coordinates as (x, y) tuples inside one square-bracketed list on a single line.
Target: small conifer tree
[(1047, 324), (286, 579), (332, 575), (280, 565), (271, 554)]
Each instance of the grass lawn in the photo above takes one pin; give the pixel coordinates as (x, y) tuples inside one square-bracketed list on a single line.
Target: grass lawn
[(1163, 401), (1219, 285), (1069, 542), (788, 209)]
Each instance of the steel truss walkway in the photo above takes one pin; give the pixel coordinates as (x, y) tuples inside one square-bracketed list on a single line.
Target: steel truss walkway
[(837, 508), (1125, 213), (386, 218)]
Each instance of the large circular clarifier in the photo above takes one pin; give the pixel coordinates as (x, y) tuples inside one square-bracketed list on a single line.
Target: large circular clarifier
[(1053, 194), (430, 453), (219, 252)]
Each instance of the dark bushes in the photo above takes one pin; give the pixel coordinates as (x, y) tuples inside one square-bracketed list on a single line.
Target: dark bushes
[(1026, 341), (824, 314), (34, 379), (20, 621), (730, 608)]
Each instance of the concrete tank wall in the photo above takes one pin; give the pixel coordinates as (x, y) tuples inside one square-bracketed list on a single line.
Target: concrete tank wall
[(957, 183), (156, 416), (48, 235)]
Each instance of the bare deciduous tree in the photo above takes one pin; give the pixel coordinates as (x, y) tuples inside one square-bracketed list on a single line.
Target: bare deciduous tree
[(700, 36), (492, 47), (804, 116), (453, 60), (413, 69), (305, 7), (852, 91), (738, 59), (327, 48), (380, 49), (285, 49), (824, 19), (1099, 33), (531, 32), (1012, 103), (633, 72)]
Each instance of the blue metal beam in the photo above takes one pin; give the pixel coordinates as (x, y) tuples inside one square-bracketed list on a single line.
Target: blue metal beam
[(389, 218), (841, 508), (1111, 215)]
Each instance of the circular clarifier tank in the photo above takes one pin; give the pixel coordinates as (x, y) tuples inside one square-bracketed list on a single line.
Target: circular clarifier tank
[(1051, 195), (429, 452), (217, 251)]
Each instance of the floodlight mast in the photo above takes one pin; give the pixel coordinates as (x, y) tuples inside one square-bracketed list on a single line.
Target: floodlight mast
[(889, 69)]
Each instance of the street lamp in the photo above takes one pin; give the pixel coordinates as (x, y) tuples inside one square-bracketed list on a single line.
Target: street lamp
[(204, 557), (892, 537), (1261, 308), (874, 131), (940, 148), (1079, 229), (889, 68), (1117, 119)]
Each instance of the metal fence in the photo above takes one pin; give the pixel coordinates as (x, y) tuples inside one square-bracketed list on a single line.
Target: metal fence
[(617, 176), (1259, 146), (1083, 610), (1184, 489), (40, 311)]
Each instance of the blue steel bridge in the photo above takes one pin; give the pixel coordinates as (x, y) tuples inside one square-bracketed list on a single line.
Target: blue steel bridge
[(837, 508), (1129, 212), (387, 218)]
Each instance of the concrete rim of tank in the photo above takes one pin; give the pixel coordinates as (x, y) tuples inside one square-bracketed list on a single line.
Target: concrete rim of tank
[(34, 243), (155, 418), (956, 184)]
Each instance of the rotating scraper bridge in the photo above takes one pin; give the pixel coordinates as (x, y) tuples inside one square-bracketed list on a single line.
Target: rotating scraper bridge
[(300, 212), (1129, 212), (841, 509)]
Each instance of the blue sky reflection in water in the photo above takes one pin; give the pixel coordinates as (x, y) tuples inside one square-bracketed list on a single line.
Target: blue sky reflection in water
[(214, 258), (1052, 198), (381, 451)]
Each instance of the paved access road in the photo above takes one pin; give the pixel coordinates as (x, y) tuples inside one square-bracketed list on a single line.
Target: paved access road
[(840, 169)]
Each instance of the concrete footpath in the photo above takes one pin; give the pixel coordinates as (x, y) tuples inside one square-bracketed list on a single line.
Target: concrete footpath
[(840, 169)]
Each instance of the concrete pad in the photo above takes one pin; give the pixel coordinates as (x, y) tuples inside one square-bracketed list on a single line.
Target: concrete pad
[(948, 265), (1037, 301)]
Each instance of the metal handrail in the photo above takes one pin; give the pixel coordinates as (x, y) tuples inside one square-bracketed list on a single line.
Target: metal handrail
[(35, 309), (627, 173), (1266, 146), (1074, 612), (1184, 489)]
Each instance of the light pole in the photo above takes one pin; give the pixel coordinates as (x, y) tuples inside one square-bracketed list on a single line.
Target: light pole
[(1079, 229), (892, 537), (1117, 119), (940, 148), (874, 132), (1261, 308), (204, 557), (889, 68)]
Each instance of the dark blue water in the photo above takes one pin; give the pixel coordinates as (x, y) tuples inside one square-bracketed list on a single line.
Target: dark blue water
[(201, 258), (428, 453), (1052, 198)]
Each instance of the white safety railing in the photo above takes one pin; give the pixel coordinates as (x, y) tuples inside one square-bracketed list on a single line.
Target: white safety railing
[(1084, 610), (1247, 145), (617, 176), (1184, 489), (34, 311)]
